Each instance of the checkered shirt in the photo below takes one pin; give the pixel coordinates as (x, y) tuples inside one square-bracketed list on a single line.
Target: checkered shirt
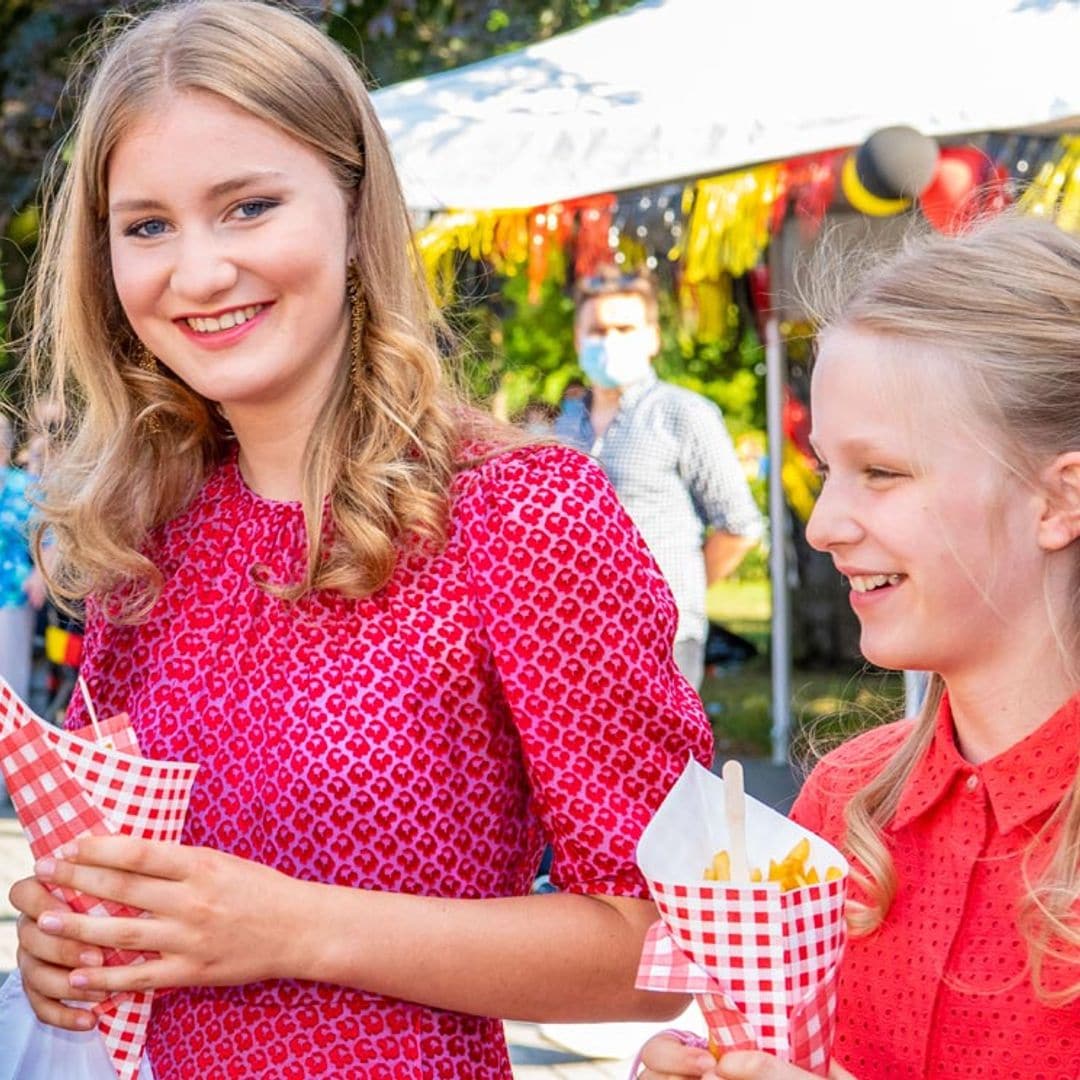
[(670, 458)]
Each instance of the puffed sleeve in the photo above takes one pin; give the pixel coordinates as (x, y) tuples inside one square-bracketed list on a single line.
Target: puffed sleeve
[(580, 624)]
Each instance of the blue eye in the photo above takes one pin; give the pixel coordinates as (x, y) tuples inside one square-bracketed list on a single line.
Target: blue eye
[(253, 208), (148, 229)]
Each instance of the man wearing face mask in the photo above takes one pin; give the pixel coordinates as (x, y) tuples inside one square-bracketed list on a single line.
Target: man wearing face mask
[(666, 450)]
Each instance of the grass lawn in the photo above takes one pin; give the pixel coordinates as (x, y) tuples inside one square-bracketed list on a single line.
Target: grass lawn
[(826, 705)]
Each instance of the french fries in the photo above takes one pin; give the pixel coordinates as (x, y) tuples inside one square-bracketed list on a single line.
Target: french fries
[(791, 872)]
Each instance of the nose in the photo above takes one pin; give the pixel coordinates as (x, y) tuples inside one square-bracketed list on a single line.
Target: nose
[(833, 522), (203, 270)]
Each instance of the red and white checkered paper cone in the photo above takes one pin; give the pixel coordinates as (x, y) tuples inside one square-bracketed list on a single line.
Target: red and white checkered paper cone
[(763, 964), (65, 786)]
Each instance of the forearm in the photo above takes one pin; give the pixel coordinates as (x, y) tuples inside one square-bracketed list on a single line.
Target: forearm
[(556, 957), (723, 552)]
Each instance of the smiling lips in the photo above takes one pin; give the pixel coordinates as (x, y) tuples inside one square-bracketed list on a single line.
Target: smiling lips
[(209, 324), (864, 583)]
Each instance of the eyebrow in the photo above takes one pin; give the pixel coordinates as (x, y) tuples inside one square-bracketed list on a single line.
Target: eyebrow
[(223, 187), (855, 444)]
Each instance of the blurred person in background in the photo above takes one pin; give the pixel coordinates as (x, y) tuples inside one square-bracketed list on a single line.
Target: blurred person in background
[(665, 449)]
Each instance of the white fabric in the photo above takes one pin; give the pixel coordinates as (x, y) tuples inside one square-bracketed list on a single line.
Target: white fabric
[(16, 641), (681, 88), (31, 1050)]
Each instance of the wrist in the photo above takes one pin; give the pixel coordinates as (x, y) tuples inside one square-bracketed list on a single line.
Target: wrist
[(323, 948), (295, 926)]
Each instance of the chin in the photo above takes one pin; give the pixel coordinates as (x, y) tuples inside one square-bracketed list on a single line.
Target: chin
[(893, 657)]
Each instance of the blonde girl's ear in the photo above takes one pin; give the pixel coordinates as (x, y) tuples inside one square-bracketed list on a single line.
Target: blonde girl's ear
[(1059, 524)]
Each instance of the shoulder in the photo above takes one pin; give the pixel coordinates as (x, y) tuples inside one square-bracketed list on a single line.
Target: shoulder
[(528, 472), (684, 406), (684, 399), (847, 769)]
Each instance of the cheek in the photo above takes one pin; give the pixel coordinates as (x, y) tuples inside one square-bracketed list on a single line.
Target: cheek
[(134, 289)]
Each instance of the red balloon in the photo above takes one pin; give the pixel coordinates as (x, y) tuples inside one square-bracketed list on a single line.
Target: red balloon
[(950, 201)]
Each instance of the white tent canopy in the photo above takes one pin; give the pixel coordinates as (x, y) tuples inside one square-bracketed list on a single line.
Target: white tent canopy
[(673, 89)]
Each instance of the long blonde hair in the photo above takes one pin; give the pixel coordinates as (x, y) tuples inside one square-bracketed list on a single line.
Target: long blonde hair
[(138, 445), (1004, 299)]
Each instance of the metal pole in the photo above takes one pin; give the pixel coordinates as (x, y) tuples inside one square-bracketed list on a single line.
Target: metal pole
[(775, 380), (915, 683)]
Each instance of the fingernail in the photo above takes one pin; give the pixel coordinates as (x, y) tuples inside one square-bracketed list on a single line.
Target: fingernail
[(78, 981), (68, 851), (86, 1021), (50, 923), (45, 867), (703, 1062), (90, 959)]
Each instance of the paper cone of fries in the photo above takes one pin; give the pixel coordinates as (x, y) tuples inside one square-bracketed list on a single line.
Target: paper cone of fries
[(66, 785), (763, 963)]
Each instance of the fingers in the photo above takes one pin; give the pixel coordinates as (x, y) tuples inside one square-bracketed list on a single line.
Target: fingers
[(665, 1057), (130, 889), (115, 932), (151, 975), (147, 858), (51, 982), (49, 948), (30, 898), (755, 1065)]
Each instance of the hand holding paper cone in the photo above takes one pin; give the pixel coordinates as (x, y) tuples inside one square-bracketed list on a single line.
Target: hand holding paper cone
[(762, 961), (65, 786)]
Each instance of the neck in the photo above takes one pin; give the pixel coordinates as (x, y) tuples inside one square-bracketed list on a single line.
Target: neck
[(605, 397), (1000, 705), (272, 446)]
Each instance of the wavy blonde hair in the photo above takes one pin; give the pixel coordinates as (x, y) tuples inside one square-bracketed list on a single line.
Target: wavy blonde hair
[(137, 446), (1004, 299)]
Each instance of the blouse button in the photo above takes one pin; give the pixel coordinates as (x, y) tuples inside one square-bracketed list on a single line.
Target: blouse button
[(972, 782)]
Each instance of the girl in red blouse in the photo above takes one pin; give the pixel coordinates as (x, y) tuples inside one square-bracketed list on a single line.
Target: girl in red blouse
[(404, 651), (946, 416)]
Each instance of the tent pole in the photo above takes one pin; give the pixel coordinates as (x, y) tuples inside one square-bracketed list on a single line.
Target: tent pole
[(780, 645)]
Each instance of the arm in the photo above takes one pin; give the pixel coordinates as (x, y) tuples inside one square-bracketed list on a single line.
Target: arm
[(723, 553), (513, 957), (714, 478)]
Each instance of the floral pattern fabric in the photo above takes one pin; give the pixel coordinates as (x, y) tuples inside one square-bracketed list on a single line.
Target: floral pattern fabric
[(514, 688)]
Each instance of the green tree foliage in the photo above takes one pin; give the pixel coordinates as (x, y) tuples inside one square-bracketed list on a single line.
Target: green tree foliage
[(400, 39)]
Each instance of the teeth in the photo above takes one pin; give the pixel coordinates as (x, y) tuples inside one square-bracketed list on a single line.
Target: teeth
[(226, 322), (869, 582)]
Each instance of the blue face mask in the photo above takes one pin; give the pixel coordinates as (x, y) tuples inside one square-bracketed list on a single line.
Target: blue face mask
[(615, 360)]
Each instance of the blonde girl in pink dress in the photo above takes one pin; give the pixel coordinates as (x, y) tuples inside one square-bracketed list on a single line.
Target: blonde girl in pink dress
[(405, 649)]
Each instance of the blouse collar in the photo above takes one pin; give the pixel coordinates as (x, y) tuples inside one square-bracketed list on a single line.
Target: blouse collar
[(1026, 780)]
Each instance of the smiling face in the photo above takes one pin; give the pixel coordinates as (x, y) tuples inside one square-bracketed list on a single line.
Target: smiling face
[(936, 537), (228, 247)]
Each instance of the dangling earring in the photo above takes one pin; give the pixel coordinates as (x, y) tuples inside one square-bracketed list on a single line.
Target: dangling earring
[(357, 318), (148, 362)]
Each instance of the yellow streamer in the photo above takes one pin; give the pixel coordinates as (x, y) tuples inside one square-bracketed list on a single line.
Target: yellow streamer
[(500, 237), (730, 220), (1055, 191)]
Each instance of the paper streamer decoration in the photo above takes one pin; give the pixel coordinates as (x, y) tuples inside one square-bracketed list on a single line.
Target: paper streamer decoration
[(64, 786), (762, 963)]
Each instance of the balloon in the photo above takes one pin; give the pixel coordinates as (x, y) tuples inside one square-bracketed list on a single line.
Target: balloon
[(950, 201), (885, 174)]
